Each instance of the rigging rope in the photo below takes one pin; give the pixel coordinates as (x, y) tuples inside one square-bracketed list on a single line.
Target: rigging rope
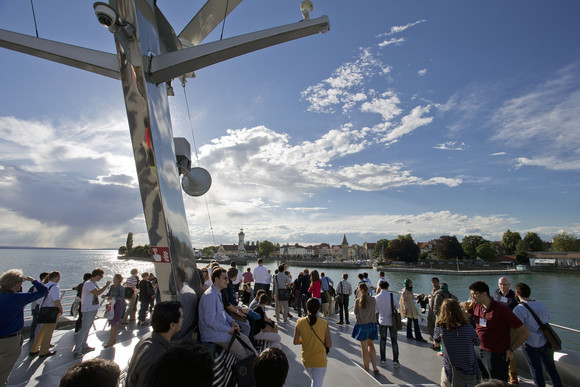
[(197, 158), (34, 17), (224, 22)]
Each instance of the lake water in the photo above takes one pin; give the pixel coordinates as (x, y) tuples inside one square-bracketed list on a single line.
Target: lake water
[(558, 291)]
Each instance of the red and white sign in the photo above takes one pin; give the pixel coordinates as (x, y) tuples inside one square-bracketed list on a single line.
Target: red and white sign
[(160, 254)]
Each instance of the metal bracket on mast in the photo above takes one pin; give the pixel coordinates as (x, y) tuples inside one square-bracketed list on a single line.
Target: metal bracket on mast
[(176, 63)]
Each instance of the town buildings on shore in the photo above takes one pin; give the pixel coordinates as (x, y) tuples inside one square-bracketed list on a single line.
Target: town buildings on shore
[(366, 251)]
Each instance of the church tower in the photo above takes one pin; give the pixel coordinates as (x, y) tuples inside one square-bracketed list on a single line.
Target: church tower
[(241, 246), (344, 248)]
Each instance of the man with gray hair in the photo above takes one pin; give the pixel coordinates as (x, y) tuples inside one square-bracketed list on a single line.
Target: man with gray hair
[(12, 303)]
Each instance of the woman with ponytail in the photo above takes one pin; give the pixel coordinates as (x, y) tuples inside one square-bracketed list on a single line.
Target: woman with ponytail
[(313, 333), (365, 329), (408, 310)]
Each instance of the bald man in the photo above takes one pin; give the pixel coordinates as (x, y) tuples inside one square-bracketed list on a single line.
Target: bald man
[(504, 294), (508, 297)]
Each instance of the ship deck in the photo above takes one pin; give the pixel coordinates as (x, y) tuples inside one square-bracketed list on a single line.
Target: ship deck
[(419, 366)]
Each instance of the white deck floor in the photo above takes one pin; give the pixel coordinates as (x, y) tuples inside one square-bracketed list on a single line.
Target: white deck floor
[(420, 366)]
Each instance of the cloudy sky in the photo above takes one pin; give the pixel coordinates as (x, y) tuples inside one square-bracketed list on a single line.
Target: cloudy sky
[(430, 118)]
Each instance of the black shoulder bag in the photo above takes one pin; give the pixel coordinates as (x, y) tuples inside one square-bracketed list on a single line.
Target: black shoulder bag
[(339, 296), (242, 369), (47, 314), (397, 323), (283, 293)]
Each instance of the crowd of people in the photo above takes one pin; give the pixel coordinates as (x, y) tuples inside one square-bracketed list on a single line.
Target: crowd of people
[(476, 339)]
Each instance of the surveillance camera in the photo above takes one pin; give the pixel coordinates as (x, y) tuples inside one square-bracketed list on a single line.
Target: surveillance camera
[(106, 14)]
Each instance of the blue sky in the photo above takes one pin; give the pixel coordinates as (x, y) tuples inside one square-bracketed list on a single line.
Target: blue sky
[(422, 117)]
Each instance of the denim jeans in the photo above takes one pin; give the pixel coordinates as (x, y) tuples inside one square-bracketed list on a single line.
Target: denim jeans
[(496, 365), (383, 342), (535, 357), (415, 322)]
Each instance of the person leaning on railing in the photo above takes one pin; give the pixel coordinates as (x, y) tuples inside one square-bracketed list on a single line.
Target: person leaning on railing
[(12, 303)]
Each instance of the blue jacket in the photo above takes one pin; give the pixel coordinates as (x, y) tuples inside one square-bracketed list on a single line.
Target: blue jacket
[(12, 307), (214, 322)]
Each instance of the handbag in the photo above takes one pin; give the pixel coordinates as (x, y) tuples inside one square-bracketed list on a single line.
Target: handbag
[(397, 323), (551, 336), (242, 369), (331, 290), (459, 379), (74, 308), (150, 290), (323, 298), (338, 298), (129, 293), (110, 311), (47, 314), (283, 294)]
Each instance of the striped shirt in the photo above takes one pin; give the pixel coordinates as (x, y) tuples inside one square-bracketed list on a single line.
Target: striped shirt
[(131, 281), (459, 348), (344, 287)]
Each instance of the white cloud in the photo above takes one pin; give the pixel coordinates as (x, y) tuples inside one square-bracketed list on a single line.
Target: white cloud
[(545, 119), (422, 72), (451, 145), (306, 209), (498, 154), (59, 181), (398, 29), (393, 41), (387, 105), (346, 86), (261, 162), (409, 123), (553, 163)]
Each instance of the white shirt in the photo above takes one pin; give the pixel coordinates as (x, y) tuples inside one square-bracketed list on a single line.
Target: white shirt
[(53, 294), (239, 278), (369, 284), (384, 307), (261, 275), (87, 297)]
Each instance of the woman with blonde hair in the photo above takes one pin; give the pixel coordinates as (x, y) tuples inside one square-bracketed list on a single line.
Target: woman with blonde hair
[(314, 336), (206, 280), (408, 310), (41, 344), (459, 339), (116, 296), (365, 329)]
